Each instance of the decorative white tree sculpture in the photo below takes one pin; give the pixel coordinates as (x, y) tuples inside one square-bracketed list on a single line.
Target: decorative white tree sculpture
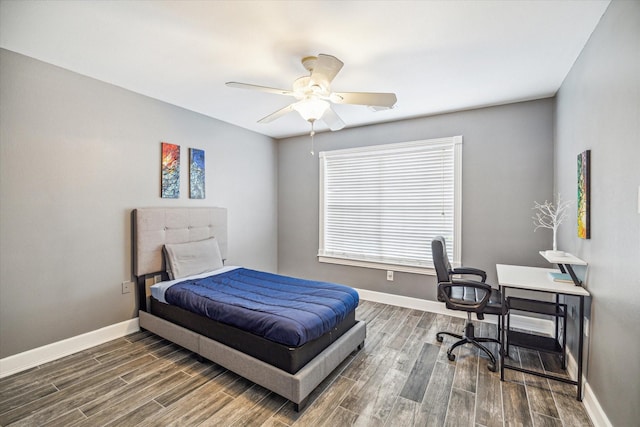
[(551, 216)]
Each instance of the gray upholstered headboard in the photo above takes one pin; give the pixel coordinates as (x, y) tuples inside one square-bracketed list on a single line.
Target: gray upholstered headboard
[(153, 227)]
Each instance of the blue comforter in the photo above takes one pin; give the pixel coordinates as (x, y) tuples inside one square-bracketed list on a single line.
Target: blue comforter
[(283, 309)]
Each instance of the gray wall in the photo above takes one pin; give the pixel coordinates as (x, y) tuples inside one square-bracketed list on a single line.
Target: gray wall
[(598, 108), (76, 156), (507, 160)]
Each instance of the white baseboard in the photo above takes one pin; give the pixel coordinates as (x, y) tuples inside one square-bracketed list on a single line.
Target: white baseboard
[(37, 356), (544, 326), (591, 404), (595, 411)]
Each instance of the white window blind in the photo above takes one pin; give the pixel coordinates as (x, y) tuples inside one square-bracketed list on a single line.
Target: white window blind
[(381, 206)]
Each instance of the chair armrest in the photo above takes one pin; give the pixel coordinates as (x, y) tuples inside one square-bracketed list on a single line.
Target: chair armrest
[(477, 307), (470, 270)]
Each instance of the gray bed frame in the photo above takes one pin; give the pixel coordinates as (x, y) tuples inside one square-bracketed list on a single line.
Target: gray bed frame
[(152, 228)]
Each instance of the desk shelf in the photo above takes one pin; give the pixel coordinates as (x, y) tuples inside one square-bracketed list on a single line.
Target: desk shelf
[(565, 263), (566, 259), (555, 344), (534, 342), (537, 306)]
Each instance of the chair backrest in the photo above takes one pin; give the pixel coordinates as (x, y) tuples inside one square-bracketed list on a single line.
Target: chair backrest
[(440, 261)]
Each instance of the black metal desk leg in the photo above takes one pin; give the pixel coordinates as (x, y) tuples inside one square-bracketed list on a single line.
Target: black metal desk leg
[(580, 348), (502, 333), (556, 317)]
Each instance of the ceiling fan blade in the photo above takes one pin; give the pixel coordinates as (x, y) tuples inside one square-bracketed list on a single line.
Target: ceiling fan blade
[(385, 100), (260, 88), (325, 69), (332, 120), (277, 114)]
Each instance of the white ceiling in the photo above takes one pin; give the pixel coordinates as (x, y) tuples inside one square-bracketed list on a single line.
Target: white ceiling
[(437, 56)]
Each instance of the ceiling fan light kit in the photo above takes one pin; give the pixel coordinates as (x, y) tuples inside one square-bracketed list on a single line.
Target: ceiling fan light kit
[(311, 108), (314, 95)]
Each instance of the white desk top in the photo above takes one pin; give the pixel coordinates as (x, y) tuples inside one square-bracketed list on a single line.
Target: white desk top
[(535, 279)]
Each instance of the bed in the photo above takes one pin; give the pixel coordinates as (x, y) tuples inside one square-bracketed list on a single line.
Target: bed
[(292, 364)]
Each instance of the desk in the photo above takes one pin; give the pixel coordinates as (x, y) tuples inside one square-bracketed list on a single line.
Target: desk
[(537, 279)]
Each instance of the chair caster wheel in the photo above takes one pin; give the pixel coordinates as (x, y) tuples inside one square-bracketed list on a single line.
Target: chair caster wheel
[(439, 338), (491, 367), (451, 356)]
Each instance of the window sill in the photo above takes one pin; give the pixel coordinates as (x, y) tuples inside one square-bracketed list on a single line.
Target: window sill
[(378, 265)]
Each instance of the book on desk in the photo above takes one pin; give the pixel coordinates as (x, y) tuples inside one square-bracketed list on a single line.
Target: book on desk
[(560, 277)]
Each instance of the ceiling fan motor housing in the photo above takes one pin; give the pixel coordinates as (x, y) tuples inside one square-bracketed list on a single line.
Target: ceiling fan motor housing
[(309, 62), (303, 87)]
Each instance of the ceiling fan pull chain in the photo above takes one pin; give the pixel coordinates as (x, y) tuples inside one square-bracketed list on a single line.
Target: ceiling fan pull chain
[(313, 132)]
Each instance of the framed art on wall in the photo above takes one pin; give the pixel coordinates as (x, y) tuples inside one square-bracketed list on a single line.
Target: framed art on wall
[(584, 189), (196, 173), (170, 171)]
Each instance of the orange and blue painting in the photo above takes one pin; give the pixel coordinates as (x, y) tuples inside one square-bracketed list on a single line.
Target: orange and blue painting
[(196, 174), (584, 172), (170, 171)]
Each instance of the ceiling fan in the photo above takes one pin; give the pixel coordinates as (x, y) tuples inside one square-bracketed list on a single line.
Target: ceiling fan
[(314, 96)]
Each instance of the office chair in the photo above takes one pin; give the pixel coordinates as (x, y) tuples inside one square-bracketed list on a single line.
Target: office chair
[(465, 295)]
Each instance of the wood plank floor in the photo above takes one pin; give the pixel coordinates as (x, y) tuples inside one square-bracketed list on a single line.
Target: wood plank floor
[(401, 378)]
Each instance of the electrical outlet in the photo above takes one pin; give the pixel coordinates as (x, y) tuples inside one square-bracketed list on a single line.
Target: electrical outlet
[(390, 275), (586, 327), (126, 287)]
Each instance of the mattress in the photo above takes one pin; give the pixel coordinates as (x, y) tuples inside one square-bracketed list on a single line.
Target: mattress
[(282, 309), (288, 359)]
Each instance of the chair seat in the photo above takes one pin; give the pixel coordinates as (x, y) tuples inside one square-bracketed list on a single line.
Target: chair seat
[(470, 295)]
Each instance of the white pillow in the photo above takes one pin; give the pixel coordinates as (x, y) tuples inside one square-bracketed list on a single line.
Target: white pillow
[(186, 259)]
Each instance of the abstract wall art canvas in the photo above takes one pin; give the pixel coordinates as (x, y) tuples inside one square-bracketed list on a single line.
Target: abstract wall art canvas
[(196, 174), (170, 171), (584, 208)]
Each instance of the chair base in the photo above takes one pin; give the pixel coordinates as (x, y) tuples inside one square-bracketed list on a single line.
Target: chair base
[(470, 338)]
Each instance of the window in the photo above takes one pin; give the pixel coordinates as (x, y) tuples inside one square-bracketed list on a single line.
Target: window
[(380, 206)]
